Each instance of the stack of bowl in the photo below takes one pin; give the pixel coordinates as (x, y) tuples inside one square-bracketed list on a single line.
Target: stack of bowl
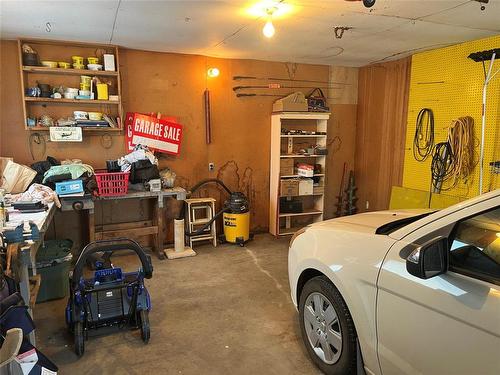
[(70, 93), (78, 62)]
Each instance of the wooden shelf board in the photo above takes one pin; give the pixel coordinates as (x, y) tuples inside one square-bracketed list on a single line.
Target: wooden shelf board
[(303, 115), (304, 136), (72, 72), (305, 213), (288, 231), (301, 156), (297, 176), (84, 129), (70, 101)]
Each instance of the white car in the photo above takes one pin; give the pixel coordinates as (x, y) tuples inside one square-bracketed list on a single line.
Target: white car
[(402, 292)]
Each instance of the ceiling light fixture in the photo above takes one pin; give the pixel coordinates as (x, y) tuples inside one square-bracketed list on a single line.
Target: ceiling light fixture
[(268, 29), (213, 72)]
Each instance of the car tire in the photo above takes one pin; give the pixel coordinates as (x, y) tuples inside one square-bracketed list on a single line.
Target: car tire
[(329, 335)]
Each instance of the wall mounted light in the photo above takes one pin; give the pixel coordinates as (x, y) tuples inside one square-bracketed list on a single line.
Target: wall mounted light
[(268, 29), (213, 72)]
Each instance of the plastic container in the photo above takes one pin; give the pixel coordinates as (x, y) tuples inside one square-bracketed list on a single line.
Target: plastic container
[(112, 184), (102, 91), (53, 262), (69, 187)]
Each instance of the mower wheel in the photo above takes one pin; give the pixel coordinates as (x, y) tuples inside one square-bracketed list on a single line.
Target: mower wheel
[(79, 339), (145, 330)]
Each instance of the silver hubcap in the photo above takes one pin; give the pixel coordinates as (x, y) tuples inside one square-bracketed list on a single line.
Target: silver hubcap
[(323, 328)]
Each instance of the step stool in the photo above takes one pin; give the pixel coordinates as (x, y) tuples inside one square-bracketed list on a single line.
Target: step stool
[(199, 212)]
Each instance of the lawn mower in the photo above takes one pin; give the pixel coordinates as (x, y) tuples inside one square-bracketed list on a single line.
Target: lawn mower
[(111, 297)]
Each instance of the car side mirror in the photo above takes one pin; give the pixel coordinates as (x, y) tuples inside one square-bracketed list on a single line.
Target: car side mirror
[(429, 259)]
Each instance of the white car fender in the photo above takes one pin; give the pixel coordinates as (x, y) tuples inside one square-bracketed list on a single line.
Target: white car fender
[(353, 271)]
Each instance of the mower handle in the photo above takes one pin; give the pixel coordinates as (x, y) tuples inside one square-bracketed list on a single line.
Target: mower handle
[(112, 245)]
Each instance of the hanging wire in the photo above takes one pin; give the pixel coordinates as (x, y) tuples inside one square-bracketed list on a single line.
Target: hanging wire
[(423, 141)]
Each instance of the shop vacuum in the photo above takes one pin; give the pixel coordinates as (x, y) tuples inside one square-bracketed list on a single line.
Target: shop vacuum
[(235, 215)]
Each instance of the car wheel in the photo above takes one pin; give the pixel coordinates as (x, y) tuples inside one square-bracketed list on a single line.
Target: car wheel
[(327, 328)]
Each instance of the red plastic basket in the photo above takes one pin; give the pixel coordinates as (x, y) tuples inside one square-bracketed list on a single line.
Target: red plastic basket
[(112, 184)]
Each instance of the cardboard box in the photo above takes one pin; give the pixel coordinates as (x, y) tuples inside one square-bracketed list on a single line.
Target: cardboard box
[(287, 167), (306, 186), (305, 170), (289, 188), (318, 190), (295, 102)]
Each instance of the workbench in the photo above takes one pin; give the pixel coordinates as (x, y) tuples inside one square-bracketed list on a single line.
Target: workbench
[(154, 227), (25, 255)]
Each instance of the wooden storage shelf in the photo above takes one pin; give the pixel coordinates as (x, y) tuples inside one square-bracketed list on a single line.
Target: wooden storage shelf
[(307, 212), (72, 101), (87, 129), (70, 72), (301, 156), (304, 136), (287, 223), (52, 50), (297, 176)]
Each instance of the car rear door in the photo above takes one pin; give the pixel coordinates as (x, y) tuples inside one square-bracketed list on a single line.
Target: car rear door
[(448, 324)]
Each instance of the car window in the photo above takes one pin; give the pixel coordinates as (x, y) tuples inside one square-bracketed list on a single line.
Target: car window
[(475, 249)]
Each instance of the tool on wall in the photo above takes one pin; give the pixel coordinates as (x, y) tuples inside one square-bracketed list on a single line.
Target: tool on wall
[(350, 195), (340, 196), (208, 118), (423, 141), (239, 78), (280, 86), (491, 56)]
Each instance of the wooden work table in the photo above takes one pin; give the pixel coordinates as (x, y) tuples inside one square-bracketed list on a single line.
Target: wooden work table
[(154, 227), (24, 254)]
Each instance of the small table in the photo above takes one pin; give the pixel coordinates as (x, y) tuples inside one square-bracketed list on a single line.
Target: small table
[(110, 231), (26, 255)]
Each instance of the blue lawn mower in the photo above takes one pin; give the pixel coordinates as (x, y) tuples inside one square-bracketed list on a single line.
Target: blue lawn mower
[(111, 297)]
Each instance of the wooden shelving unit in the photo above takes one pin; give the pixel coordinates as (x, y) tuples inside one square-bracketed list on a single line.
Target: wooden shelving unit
[(35, 107), (285, 147)]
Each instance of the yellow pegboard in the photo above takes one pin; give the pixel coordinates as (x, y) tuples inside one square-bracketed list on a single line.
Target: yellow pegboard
[(451, 84)]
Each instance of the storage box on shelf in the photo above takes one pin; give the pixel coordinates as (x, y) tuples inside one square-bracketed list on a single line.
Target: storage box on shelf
[(34, 106), (297, 195)]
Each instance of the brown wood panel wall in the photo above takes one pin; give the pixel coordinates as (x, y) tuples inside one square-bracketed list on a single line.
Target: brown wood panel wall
[(173, 84), (381, 131)]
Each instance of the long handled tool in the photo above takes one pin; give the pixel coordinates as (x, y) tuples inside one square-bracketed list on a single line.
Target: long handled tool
[(239, 78), (243, 95), (279, 86)]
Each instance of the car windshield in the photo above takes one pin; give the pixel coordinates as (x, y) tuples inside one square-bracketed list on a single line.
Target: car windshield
[(398, 224)]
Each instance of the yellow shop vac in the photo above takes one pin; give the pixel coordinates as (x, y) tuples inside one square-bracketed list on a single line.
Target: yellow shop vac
[(235, 215)]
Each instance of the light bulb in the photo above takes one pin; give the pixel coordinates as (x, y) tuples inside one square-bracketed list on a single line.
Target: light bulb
[(268, 29), (213, 72)]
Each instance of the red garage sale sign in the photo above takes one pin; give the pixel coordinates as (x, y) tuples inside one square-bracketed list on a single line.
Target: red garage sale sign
[(158, 134)]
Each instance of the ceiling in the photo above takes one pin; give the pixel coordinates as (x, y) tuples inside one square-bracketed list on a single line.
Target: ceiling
[(389, 30)]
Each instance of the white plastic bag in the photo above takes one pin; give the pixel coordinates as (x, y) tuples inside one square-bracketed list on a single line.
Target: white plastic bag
[(16, 177)]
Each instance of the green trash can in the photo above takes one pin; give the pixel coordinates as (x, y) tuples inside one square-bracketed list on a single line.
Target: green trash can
[(53, 262)]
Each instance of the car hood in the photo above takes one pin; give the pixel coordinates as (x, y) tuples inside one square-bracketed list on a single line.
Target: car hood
[(369, 222)]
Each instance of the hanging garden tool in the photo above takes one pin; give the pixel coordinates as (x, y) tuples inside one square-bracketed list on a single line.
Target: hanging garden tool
[(350, 196), (279, 86), (239, 78), (340, 197)]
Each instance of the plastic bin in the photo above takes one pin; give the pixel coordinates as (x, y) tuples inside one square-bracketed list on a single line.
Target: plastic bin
[(112, 184), (53, 262)]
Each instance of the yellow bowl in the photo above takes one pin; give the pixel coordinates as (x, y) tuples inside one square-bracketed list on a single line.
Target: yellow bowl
[(93, 60), (64, 65), (49, 64), (78, 66), (95, 116), (84, 86)]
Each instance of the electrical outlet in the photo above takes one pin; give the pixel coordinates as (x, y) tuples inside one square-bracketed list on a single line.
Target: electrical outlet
[(211, 167)]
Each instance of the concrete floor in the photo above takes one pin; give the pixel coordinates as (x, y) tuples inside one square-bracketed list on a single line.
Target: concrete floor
[(226, 311)]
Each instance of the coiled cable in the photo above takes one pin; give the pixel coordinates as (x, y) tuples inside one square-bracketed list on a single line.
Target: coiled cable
[(423, 141)]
